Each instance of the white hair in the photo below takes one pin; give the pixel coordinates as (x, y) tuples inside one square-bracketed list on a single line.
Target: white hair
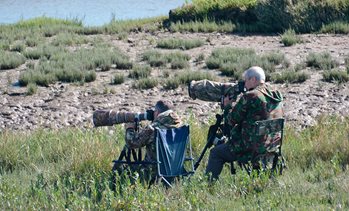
[(255, 72)]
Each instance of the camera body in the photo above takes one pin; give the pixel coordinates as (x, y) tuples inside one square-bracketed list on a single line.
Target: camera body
[(111, 117)]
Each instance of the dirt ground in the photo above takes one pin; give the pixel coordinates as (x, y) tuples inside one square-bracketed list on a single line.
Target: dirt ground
[(71, 105)]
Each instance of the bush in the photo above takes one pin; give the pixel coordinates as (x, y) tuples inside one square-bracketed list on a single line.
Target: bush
[(321, 61), (289, 77), (180, 43), (172, 83), (18, 46), (145, 83), (179, 64), (69, 39), (155, 58), (233, 61), (118, 79), (204, 26), (10, 60), (337, 27), (31, 88), (289, 38), (140, 72), (335, 76)]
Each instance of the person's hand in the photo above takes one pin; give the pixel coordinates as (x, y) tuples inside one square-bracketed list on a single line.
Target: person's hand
[(218, 141), (227, 101)]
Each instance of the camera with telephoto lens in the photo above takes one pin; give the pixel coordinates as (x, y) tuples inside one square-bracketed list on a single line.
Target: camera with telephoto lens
[(111, 117), (212, 91)]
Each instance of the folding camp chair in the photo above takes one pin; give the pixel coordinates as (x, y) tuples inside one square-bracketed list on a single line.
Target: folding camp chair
[(272, 130), (173, 149)]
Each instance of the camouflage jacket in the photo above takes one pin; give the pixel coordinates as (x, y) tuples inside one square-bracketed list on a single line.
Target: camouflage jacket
[(261, 103), (145, 137)]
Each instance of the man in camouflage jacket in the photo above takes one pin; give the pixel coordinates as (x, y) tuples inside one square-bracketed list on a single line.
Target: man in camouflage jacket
[(164, 118), (260, 102)]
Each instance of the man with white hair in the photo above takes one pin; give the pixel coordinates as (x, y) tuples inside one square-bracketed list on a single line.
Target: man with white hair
[(260, 102)]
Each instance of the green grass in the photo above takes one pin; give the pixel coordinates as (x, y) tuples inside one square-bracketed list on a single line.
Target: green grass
[(70, 169), (118, 78), (183, 44), (322, 61), (337, 27), (140, 71), (32, 89), (335, 76), (289, 77), (289, 38), (233, 61), (155, 58), (184, 77), (204, 26), (10, 60), (145, 83)]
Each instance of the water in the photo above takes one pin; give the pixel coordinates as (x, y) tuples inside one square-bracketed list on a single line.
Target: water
[(92, 13)]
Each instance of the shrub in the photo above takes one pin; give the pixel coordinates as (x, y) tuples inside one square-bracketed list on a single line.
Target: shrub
[(43, 51), (155, 58), (186, 76), (233, 61), (172, 83), (179, 64), (37, 77), (183, 44), (200, 57), (32, 88), (204, 26), (118, 78), (289, 38), (321, 61), (10, 60), (18, 46), (289, 77), (336, 27), (140, 72), (69, 39), (145, 83), (335, 76)]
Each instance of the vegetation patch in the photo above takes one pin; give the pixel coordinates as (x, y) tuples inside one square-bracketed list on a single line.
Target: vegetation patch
[(118, 78), (337, 27), (233, 61), (32, 89), (289, 77), (204, 26), (140, 71), (146, 24), (289, 38), (78, 66), (145, 83), (183, 44), (75, 173), (185, 76), (69, 39), (177, 59), (335, 76), (322, 61), (10, 60), (265, 16)]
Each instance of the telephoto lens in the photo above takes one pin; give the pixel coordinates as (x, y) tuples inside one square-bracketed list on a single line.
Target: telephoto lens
[(110, 117)]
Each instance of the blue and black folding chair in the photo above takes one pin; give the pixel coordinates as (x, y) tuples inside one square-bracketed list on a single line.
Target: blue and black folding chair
[(173, 151)]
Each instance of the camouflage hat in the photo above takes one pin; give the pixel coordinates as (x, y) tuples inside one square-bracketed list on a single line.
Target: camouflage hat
[(163, 105)]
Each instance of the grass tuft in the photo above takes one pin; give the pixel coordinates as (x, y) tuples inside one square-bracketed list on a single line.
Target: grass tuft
[(183, 44), (289, 38), (10, 60), (322, 61), (335, 76)]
